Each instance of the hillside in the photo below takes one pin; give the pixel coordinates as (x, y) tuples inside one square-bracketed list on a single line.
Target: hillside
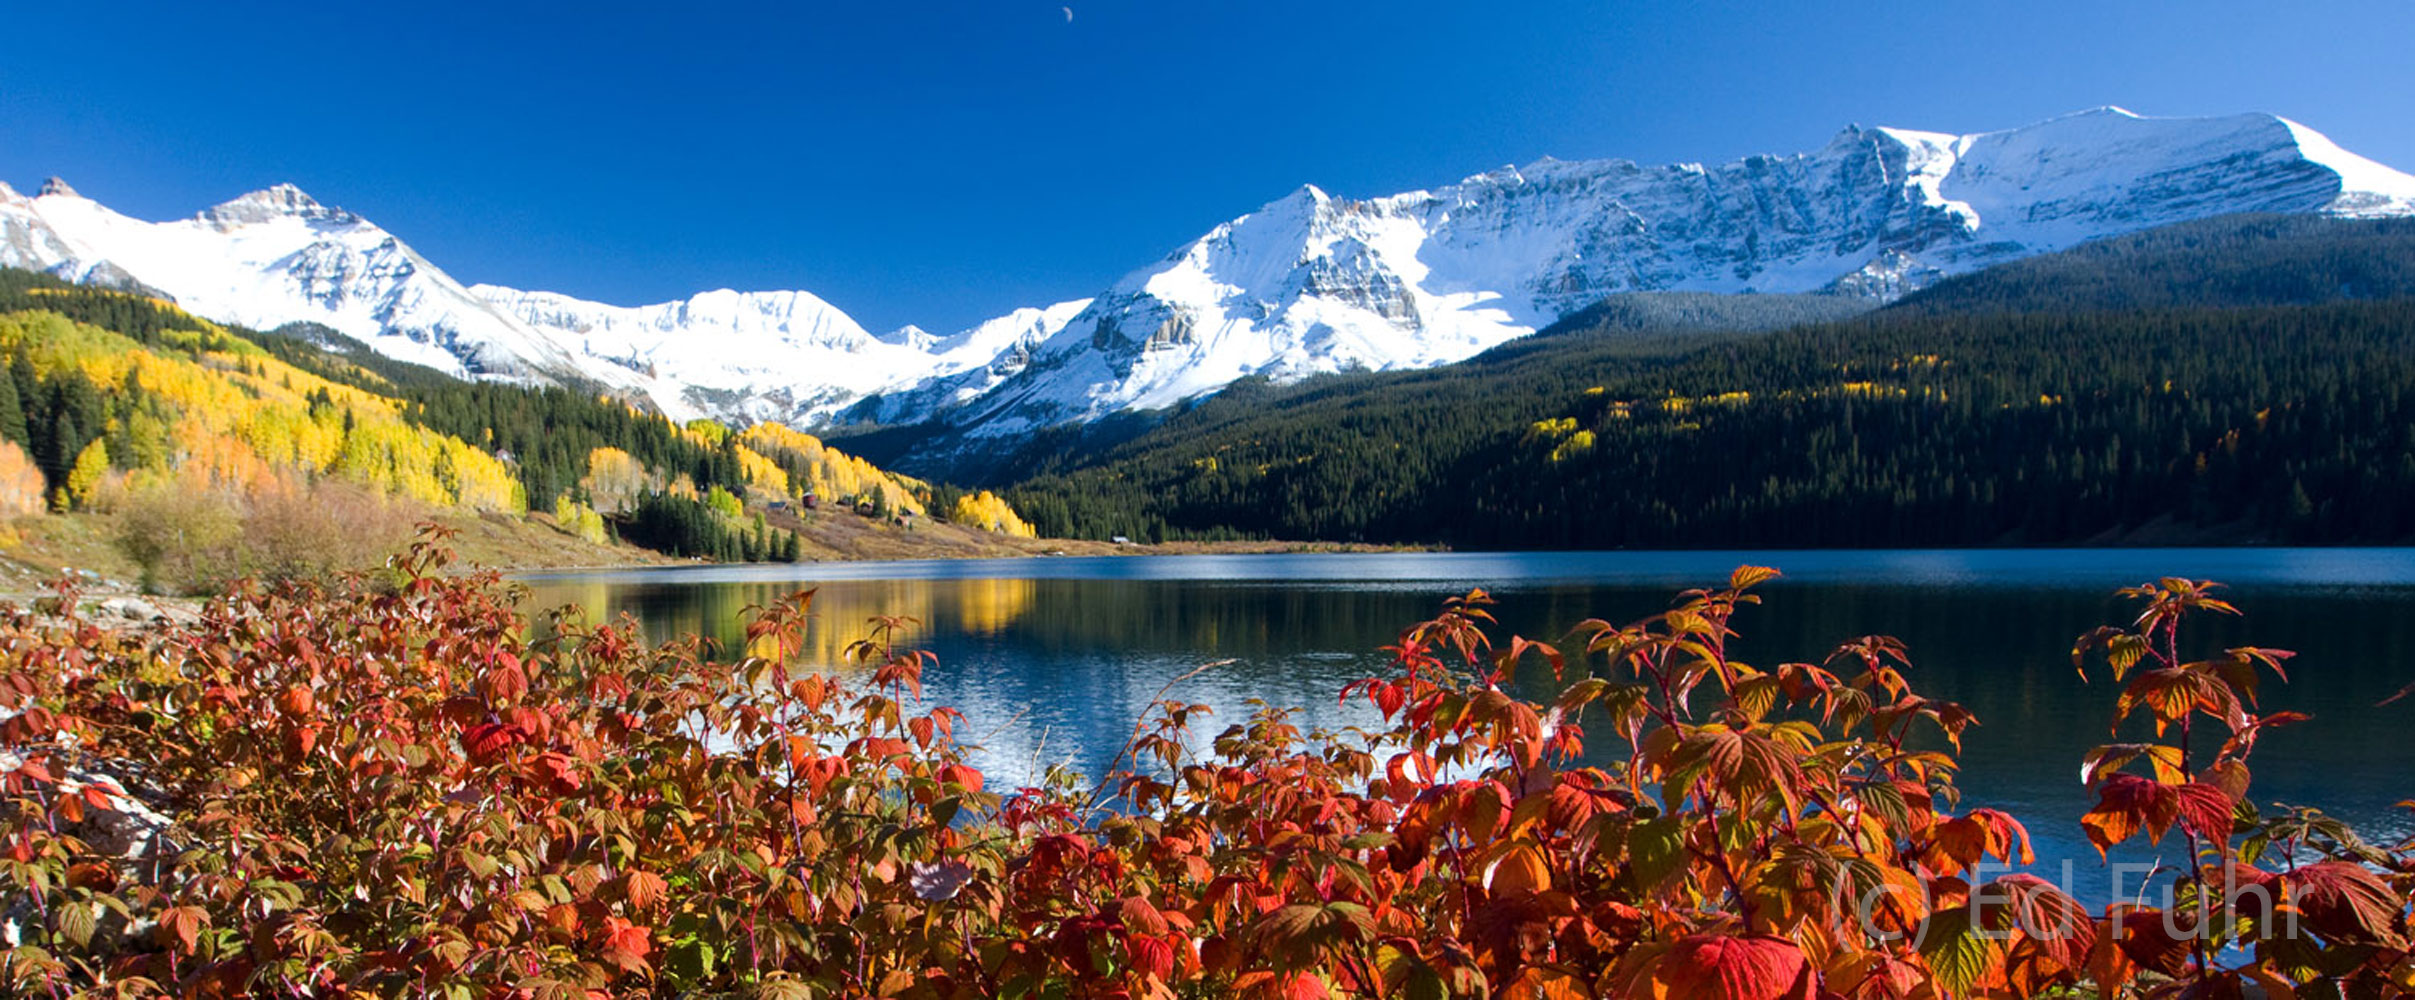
[(1998, 409), (2234, 261), (201, 451)]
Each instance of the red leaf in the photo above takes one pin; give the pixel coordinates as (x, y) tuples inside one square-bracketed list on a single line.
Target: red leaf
[(297, 700), (505, 683), (1388, 697), (1151, 956), (557, 771), (2042, 913), (1302, 986), (185, 922), (2125, 804), (2205, 810), (961, 776), (1140, 916), (1714, 967), (2142, 935), (1962, 842), (483, 742), (2344, 902), (626, 944)]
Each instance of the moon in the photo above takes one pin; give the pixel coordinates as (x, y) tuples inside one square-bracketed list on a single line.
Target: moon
[(1068, 15)]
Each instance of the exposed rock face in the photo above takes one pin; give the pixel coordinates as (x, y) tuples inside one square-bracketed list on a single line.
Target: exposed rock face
[(1307, 284), (1312, 283)]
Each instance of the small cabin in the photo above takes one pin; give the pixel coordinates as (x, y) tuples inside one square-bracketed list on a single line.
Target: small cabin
[(1120, 540), (810, 502)]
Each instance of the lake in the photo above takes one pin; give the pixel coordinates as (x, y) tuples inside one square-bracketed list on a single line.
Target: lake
[(1053, 659)]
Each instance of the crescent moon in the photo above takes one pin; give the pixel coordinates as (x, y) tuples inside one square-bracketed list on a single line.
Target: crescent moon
[(1068, 15)]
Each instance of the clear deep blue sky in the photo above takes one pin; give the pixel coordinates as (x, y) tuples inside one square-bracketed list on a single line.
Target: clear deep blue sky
[(939, 163)]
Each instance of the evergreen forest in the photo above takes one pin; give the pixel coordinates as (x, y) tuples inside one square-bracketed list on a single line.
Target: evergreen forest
[(2249, 379)]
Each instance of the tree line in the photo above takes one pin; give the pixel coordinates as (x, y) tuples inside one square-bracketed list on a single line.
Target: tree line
[(2071, 398)]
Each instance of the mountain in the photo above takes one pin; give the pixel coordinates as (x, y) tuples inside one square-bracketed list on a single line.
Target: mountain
[(1315, 284), (277, 256), (745, 357), (1308, 284), (2250, 377)]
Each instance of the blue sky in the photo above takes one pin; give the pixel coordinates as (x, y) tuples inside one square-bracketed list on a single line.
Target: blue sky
[(938, 163)]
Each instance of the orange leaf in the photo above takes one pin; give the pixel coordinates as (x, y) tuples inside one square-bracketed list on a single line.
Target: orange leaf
[(1520, 867), (644, 889), (1539, 983)]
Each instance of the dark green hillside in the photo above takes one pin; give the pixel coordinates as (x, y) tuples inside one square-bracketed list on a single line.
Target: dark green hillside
[(2233, 261), (1699, 312), (2064, 399)]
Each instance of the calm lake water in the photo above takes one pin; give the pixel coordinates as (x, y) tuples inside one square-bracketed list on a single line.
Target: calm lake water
[(1053, 659)]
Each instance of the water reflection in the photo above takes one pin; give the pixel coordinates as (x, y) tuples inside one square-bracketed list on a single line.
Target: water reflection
[(1052, 660)]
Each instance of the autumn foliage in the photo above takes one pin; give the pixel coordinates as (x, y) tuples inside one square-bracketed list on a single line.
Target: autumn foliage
[(411, 792)]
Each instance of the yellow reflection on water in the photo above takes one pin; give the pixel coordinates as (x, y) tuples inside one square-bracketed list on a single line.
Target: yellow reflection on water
[(842, 612)]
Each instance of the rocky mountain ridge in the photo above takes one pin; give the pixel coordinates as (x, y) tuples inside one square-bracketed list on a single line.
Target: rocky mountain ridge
[(1309, 283)]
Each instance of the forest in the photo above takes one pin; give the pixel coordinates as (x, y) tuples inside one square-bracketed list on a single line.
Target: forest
[(191, 432), (2240, 380)]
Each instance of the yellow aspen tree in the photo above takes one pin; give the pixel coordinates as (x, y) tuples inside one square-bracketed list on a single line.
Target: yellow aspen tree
[(20, 482), (578, 519), (614, 480), (85, 476), (990, 512)]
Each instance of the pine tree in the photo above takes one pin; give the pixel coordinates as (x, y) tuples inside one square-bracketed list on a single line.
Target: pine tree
[(27, 384), (65, 442), (12, 415)]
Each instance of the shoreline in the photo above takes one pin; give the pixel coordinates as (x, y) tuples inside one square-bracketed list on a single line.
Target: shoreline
[(1102, 549)]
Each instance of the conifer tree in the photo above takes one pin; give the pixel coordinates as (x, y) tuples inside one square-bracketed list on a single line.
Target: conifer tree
[(12, 415)]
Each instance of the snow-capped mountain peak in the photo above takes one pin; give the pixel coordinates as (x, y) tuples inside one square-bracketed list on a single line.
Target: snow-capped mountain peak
[(276, 256), (1310, 283), (912, 336), (281, 201), (1307, 283)]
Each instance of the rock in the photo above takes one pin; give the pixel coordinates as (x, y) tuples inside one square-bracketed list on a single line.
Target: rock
[(132, 608), (131, 835)]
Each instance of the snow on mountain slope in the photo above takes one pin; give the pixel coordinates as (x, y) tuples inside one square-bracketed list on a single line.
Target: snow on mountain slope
[(1312, 283), (742, 356), (968, 364), (275, 256), (1307, 284)]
